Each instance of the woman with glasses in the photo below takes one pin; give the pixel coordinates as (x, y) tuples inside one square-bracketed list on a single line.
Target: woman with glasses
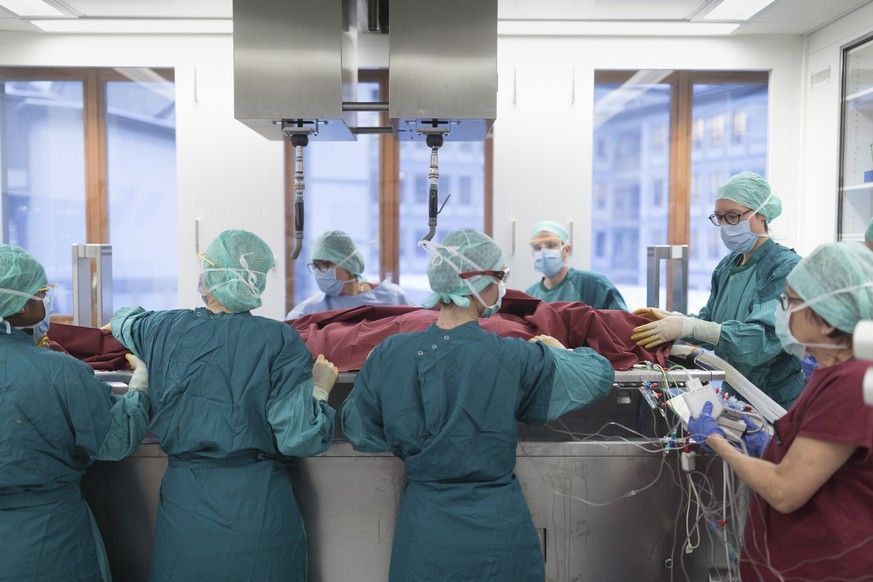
[(561, 282), (811, 513), (57, 418), (337, 267), (737, 320), (446, 401)]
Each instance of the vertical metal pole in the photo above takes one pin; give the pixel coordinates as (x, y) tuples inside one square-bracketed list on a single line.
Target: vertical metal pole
[(653, 277), (680, 279)]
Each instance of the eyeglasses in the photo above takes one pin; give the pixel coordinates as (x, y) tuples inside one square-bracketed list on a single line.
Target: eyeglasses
[(786, 301), (730, 217), (502, 275), (546, 243), (322, 266)]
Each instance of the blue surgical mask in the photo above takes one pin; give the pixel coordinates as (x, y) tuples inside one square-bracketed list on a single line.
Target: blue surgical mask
[(41, 328), (549, 261), (328, 283), (492, 309), (739, 237)]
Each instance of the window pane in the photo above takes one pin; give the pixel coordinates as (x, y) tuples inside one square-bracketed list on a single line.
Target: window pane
[(462, 174), (733, 120), (631, 173), (347, 200), (43, 164), (141, 168)]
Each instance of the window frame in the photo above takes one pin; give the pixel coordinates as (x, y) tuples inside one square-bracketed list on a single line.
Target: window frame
[(389, 195)]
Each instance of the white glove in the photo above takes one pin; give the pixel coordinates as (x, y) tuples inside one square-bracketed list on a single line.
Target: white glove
[(324, 376), (659, 332), (140, 378), (653, 313), (705, 331), (548, 340)]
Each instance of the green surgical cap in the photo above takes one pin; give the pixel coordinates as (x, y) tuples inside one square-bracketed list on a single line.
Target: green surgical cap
[(462, 251), (19, 271), (240, 261), (836, 267), (338, 248), (552, 227), (868, 234), (751, 190)]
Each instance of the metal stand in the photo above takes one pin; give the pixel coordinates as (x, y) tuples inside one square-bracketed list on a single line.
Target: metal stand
[(678, 298), (92, 284)]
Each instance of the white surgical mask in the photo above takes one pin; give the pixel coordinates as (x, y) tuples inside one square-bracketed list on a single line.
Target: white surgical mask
[(492, 309), (790, 344)]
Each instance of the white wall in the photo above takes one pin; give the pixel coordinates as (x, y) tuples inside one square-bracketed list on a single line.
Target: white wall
[(231, 177), (820, 163)]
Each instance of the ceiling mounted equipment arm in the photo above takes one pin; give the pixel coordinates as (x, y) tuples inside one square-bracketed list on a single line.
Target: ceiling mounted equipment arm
[(298, 142), (434, 142)]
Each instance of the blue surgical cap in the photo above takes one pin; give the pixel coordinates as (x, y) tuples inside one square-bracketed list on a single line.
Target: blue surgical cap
[(839, 266), (20, 272), (552, 227), (751, 190), (236, 265), (462, 251), (338, 248)]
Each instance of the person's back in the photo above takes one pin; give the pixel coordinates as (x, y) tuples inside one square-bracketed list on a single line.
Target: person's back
[(447, 401), (58, 419), (233, 399)]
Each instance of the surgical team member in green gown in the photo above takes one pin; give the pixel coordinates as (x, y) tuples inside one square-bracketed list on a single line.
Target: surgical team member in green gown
[(56, 418), (233, 394), (737, 321), (446, 401), (561, 282)]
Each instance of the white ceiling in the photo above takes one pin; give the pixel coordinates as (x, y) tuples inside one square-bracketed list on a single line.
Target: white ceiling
[(783, 17)]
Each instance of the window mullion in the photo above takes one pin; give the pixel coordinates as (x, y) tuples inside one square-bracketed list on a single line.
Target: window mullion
[(96, 205), (680, 160)]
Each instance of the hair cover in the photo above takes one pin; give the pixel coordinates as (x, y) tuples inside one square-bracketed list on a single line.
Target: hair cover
[(462, 251), (20, 272), (552, 227), (338, 248), (236, 268), (837, 280), (751, 190)]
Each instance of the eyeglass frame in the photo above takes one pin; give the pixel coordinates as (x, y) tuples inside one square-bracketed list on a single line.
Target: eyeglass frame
[(328, 265), (501, 275), (785, 301), (716, 219), (550, 244)]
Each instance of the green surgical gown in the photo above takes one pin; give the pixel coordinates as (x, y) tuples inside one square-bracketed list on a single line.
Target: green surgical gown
[(585, 286), (57, 418), (232, 397), (447, 403), (743, 300)]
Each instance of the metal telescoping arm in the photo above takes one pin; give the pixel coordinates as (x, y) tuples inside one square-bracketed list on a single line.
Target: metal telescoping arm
[(434, 141), (299, 141)]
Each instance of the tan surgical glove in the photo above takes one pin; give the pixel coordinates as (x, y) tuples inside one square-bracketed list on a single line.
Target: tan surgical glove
[(324, 376)]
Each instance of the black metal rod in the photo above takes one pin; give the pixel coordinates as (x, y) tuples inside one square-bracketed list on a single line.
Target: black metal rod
[(365, 106), (371, 130)]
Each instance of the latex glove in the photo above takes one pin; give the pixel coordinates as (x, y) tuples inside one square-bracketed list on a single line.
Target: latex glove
[(653, 313), (43, 341), (140, 379), (659, 332), (548, 340), (704, 425), (107, 327), (755, 441), (324, 376), (705, 331)]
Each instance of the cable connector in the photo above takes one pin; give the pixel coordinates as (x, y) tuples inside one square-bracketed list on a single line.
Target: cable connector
[(686, 461)]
